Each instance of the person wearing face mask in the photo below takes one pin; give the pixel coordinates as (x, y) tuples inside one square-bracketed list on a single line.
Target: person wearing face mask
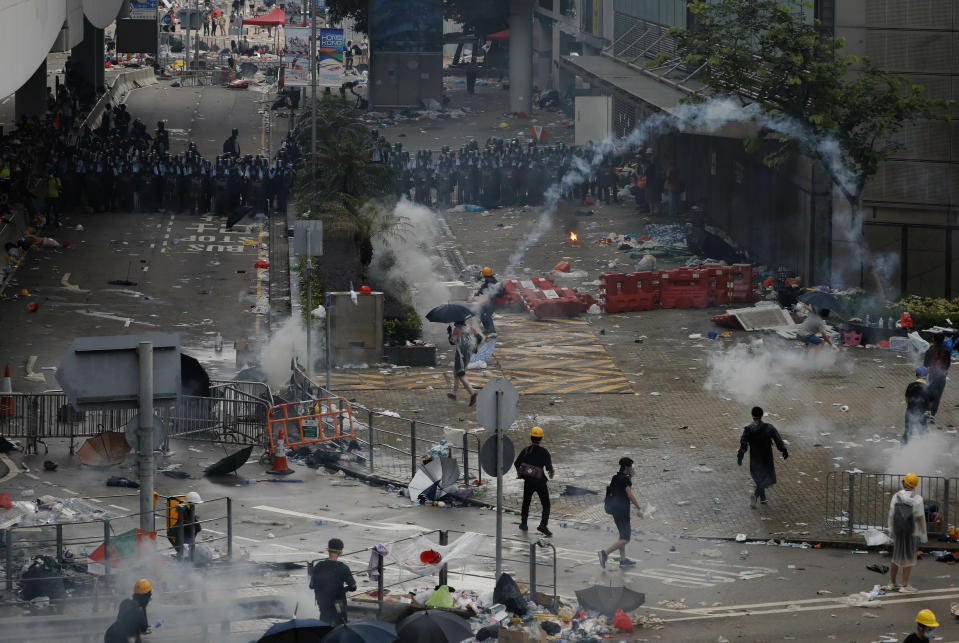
[(619, 495), (926, 624)]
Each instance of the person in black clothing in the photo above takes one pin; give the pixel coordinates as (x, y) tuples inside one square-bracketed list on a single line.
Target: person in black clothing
[(231, 146), (161, 138), (188, 524), (938, 358), (330, 580), (132, 616), (532, 464), (757, 438), (619, 495), (918, 401), (926, 624)]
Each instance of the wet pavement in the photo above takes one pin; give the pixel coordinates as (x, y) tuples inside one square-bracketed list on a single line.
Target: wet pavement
[(678, 410)]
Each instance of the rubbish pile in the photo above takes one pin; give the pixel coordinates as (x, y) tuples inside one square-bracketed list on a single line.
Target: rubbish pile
[(48, 510), (674, 243)]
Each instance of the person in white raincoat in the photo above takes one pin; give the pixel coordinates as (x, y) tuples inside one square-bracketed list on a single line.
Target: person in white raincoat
[(907, 526)]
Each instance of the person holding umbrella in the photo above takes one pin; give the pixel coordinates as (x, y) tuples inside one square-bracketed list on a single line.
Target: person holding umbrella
[(465, 341)]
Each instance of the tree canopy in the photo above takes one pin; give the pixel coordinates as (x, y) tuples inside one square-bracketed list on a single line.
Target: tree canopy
[(771, 53)]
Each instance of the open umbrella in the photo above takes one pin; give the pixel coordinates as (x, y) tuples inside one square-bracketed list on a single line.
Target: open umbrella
[(230, 463), (104, 449), (449, 313), (433, 626), (819, 300), (607, 600), (298, 630), (193, 377), (362, 632), (433, 476)]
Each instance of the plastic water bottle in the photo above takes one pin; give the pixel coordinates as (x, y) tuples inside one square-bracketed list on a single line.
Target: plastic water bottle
[(882, 322), (868, 320), (218, 343)]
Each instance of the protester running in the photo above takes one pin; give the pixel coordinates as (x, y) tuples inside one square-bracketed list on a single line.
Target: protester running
[(907, 526), (532, 464), (917, 405), (938, 359), (465, 341), (758, 438), (619, 495), (330, 581)]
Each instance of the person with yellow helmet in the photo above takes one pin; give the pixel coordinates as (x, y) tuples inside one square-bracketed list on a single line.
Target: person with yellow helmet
[(488, 290), (926, 624), (907, 526), (532, 464), (131, 616)]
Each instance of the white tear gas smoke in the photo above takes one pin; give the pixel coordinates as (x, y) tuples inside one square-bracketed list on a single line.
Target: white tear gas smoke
[(413, 258), (932, 454), (708, 118), (747, 373), (287, 342)]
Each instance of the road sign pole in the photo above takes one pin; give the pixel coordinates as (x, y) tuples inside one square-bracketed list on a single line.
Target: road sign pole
[(309, 304), (499, 487), (145, 448)]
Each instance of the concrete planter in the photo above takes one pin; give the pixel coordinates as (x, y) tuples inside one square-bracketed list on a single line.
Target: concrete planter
[(410, 355)]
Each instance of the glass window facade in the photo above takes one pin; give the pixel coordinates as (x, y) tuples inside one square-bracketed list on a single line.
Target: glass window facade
[(408, 26)]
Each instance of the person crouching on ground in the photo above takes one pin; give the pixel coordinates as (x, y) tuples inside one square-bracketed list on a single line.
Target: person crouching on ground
[(812, 332), (619, 495)]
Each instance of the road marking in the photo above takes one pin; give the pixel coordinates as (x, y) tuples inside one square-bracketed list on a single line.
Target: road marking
[(804, 605), (12, 469), (71, 491), (385, 526), (119, 507)]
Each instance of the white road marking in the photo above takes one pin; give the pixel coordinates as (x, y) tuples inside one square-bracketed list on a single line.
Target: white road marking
[(385, 526), (803, 605), (12, 469), (71, 491), (119, 507)]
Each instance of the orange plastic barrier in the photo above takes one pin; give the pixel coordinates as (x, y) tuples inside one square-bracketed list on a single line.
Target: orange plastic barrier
[(310, 422)]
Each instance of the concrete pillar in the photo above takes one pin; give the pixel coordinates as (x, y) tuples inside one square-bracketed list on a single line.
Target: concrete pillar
[(521, 56), (87, 57), (31, 98)]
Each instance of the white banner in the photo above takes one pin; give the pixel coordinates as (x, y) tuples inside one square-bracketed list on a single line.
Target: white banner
[(296, 60)]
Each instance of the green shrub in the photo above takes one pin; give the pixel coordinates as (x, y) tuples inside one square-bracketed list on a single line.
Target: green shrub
[(398, 331), (925, 311)]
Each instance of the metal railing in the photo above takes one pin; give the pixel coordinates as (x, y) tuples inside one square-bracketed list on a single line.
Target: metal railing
[(394, 445), (523, 564), (70, 541), (235, 418), (857, 501)]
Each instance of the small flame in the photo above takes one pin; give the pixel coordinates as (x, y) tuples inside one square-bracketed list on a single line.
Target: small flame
[(573, 238)]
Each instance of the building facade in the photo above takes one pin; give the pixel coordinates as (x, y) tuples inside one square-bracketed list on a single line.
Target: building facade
[(788, 215)]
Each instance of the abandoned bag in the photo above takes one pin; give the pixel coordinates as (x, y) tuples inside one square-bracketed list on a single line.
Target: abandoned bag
[(507, 592), (621, 621)]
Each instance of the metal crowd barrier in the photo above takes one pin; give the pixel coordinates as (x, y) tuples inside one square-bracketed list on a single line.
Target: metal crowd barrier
[(856, 501), (395, 445), (236, 418)]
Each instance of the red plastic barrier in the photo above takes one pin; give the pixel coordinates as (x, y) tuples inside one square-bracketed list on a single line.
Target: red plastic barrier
[(684, 288), (740, 276), (617, 283), (648, 282), (552, 302), (720, 289)]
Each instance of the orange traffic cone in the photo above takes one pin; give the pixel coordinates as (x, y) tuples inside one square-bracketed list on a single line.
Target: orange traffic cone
[(6, 402), (280, 467)]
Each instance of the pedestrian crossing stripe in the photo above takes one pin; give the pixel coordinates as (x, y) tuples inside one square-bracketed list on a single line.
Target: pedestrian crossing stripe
[(540, 325), (516, 340), (527, 382), (592, 351)]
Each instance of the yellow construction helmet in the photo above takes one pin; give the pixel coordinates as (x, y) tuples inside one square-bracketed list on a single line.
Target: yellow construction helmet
[(487, 272), (536, 432), (143, 586), (927, 618), (911, 480)]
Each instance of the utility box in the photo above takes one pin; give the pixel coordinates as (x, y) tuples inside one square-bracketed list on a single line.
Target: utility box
[(594, 118), (356, 330)]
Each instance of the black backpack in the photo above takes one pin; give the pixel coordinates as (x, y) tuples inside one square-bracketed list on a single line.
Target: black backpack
[(902, 519)]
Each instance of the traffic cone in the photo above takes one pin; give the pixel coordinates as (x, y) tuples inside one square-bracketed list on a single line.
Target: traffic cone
[(280, 467), (6, 402)]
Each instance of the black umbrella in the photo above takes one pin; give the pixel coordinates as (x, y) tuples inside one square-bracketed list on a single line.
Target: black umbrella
[(449, 313), (362, 632), (230, 463), (819, 300), (193, 377), (299, 630), (607, 600), (433, 626)]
